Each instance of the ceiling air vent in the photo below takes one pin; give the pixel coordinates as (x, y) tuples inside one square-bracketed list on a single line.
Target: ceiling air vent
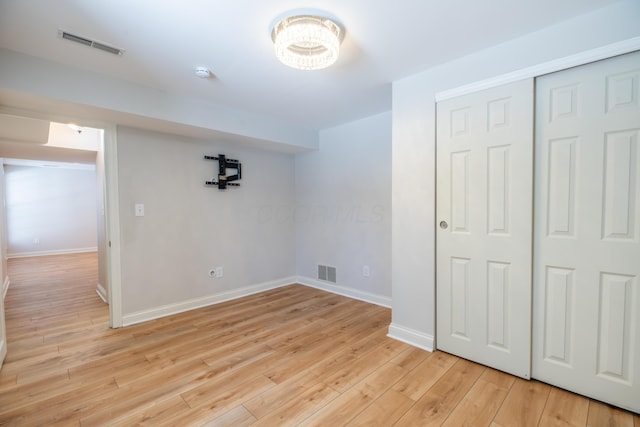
[(91, 43)]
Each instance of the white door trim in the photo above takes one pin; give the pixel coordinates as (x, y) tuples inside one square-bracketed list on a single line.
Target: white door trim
[(112, 208), (604, 52)]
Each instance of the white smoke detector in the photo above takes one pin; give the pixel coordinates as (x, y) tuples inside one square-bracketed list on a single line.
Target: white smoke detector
[(203, 72)]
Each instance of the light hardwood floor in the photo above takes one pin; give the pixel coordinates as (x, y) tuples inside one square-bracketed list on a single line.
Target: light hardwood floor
[(290, 356)]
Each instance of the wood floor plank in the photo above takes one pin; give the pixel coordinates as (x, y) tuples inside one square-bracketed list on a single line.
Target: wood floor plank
[(601, 414), (296, 410), (219, 402), (358, 369), (108, 366), (125, 401), (158, 414), (148, 391), (16, 361), (433, 408), (262, 404), (385, 411), (357, 398), (58, 407), (565, 409), (286, 356), (8, 381), (425, 375), (326, 345), (208, 390), (498, 378), (46, 385), (410, 357), (524, 404), (479, 408), (347, 354), (237, 417)]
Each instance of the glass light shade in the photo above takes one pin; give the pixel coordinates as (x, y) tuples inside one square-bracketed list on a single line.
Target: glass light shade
[(306, 42)]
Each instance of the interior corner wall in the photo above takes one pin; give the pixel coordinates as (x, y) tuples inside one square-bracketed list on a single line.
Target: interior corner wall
[(343, 208), (413, 148), (50, 210), (189, 228)]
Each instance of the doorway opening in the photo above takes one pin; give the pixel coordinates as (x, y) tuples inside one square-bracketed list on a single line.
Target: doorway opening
[(55, 192)]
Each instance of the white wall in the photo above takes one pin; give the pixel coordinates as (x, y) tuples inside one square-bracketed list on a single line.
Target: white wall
[(413, 193), (343, 208), (189, 228), (56, 206)]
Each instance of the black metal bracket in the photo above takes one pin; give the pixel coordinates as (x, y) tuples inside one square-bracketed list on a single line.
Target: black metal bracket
[(225, 180)]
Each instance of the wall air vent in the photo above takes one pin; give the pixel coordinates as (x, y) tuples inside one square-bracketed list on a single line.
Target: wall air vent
[(326, 273), (88, 42)]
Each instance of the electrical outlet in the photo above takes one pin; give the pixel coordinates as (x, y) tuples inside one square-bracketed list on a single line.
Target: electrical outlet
[(365, 271), (212, 273)]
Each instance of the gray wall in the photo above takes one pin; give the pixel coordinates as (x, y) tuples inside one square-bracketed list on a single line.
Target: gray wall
[(57, 206), (343, 210), (189, 228)]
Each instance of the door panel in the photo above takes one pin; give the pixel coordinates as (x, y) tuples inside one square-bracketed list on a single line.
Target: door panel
[(484, 207), (586, 336)]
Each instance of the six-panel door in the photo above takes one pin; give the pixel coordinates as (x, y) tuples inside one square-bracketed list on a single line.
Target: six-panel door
[(484, 212), (586, 334)]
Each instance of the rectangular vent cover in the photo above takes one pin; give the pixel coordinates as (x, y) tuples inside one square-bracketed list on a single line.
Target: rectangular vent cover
[(326, 273), (91, 43)]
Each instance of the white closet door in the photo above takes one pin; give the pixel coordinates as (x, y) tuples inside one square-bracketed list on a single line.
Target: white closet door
[(587, 231), (484, 198)]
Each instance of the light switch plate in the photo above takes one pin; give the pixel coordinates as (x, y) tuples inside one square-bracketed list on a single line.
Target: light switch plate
[(139, 209)]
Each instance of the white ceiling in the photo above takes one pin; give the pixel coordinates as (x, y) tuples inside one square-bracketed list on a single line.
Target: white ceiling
[(165, 40)]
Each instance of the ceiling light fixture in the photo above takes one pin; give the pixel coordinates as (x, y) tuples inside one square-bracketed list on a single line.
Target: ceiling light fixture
[(306, 42)]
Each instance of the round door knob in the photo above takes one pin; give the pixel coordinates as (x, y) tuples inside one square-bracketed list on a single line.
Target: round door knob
[(444, 225)]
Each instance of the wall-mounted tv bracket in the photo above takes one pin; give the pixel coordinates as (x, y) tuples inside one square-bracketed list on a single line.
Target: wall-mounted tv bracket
[(225, 180)]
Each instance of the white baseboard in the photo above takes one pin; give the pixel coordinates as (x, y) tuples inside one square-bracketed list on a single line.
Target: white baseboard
[(53, 252), (411, 337), (102, 293), (5, 287), (347, 292), (169, 309)]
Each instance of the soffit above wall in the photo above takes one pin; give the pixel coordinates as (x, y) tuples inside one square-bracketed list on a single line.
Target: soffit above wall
[(49, 164), (41, 140), (17, 150), (23, 130)]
